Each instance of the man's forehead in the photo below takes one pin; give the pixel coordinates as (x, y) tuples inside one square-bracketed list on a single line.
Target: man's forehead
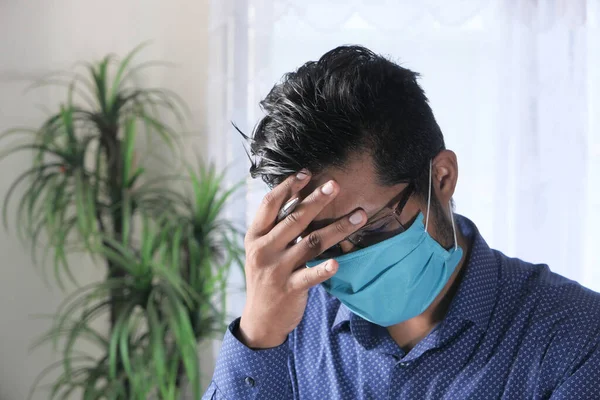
[(355, 192), (355, 176), (359, 188), (355, 189)]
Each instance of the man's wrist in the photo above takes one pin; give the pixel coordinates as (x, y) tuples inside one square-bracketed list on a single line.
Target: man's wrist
[(255, 338), (266, 368)]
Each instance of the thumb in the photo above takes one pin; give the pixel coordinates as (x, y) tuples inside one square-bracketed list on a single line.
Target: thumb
[(305, 278)]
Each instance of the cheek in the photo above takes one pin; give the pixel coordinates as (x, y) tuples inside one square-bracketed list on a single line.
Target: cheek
[(411, 211), (443, 194)]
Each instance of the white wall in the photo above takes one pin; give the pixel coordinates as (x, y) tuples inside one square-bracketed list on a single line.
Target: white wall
[(39, 36)]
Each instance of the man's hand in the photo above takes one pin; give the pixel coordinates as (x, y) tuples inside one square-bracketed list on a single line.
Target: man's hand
[(276, 277)]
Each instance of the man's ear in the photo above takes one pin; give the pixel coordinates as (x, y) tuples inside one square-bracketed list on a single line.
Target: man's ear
[(445, 175)]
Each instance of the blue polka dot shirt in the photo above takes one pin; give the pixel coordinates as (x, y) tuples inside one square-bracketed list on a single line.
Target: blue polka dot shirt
[(513, 331)]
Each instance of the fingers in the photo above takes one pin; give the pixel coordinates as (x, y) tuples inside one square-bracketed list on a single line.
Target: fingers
[(294, 224), (274, 200), (320, 240), (305, 278)]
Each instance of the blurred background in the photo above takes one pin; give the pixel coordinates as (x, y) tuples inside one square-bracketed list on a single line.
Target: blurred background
[(515, 87)]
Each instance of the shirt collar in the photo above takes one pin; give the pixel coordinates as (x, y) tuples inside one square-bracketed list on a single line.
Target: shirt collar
[(477, 292), (476, 295), (342, 317)]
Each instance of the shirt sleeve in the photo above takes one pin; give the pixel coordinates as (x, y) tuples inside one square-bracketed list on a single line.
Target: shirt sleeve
[(584, 382), (212, 393), (243, 373)]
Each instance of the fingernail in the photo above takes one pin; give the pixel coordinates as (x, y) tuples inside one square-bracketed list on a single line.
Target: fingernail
[(356, 218), (328, 267), (301, 175), (327, 188)]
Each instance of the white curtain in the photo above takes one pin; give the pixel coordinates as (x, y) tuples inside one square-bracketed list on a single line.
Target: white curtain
[(515, 86)]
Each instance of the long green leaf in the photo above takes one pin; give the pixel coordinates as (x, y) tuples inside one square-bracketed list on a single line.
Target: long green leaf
[(87, 333), (129, 149), (17, 131), (37, 147), (134, 70), (157, 345), (83, 222), (37, 190), (166, 134), (119, 254), (124, 346), (118, 80), (186, 341), (66, 114), (68, 306), (76, 330), (220, 203), (65, 79), (17, 182), (120, 324), (99, 77), (48, 370)]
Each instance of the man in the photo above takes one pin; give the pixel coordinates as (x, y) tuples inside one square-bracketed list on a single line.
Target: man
[(370, 288)]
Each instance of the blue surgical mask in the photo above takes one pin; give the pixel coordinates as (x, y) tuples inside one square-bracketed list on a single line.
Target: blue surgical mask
[(394, 280)]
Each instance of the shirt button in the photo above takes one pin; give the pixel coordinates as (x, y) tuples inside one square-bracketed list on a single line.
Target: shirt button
[(249, 381), (403, 364)]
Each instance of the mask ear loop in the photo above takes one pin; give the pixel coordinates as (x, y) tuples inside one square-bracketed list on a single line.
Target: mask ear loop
[(428, 196), (453, 225), (449, 208)]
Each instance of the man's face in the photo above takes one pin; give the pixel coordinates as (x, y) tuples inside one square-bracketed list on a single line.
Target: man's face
[(359, 190)]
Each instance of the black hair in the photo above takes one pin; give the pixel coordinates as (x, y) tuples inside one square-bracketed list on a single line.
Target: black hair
[(351, 100)]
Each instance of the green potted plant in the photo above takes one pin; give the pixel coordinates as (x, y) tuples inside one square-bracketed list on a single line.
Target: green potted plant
[(163, 240)]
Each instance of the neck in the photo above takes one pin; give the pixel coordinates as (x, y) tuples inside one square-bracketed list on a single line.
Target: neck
[(408, 333)]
